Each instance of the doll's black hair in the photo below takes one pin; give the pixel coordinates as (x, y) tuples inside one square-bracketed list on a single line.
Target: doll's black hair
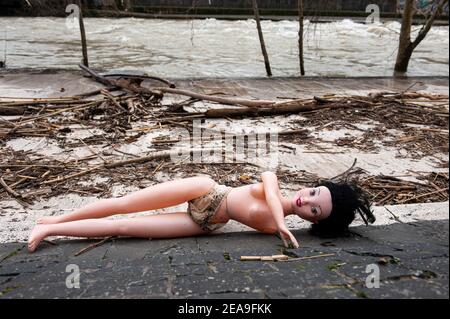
[(347, 200)]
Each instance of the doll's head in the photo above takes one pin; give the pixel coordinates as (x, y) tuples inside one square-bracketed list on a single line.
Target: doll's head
[(332, 207)]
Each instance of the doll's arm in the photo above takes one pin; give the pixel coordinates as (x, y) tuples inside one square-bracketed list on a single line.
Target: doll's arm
[(273, 199), (272, 194)]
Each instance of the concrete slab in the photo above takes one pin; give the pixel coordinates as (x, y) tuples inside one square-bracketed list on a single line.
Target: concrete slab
[(411, 264)]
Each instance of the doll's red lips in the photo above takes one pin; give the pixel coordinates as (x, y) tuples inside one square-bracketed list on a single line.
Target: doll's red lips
[(299, 202)]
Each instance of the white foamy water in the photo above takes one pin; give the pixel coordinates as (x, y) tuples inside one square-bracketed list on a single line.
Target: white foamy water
[(203, 48)]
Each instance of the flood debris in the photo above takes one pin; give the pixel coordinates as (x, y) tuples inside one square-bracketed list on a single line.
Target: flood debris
[(388, 190), (125, 110)]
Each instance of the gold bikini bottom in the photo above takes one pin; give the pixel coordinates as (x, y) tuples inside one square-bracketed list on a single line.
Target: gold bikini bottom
[(204, 208)]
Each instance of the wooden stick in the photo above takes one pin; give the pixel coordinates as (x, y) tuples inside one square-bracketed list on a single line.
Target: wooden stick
[(281, 258), (79, 107), (8, 189), (251, 134), (113, 100), (92, 150), (397, 188), (55, 101), (265, 258), (39, 192), (423, 195), (310, 257), (250, 258), (82, 173), (97, 92), (92, 246), (25, 99)]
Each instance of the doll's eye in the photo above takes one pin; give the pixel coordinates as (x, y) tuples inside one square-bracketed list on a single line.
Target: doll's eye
[(313, 192), (314, 211)]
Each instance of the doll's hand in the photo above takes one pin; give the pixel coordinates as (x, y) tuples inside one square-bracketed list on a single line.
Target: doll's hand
[(287, 237)]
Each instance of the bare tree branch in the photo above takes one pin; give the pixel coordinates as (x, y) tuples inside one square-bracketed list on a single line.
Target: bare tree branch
[(427, 27)]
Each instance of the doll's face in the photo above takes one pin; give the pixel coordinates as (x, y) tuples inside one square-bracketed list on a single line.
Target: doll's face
[(312, 204)]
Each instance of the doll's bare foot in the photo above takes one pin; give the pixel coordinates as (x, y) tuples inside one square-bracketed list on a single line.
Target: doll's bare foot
[(38, 233), (49, 220)]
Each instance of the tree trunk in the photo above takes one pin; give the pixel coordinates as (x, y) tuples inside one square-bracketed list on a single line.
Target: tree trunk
[(402, 62), (261, 38), (403, 58), (300, 37)]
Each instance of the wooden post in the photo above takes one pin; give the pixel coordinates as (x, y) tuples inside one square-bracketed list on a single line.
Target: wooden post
[(3, 63), (261, 38), (83, 36), (300, 37)]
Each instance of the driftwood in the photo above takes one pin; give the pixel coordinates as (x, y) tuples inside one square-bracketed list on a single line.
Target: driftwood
[(78, 107), (131, 85), (304, 132), (138, 160), (97, 92), (144, 76), (38, 101), (11, 108), (275, 109), (113, 100), (8, 189), (222, 100)]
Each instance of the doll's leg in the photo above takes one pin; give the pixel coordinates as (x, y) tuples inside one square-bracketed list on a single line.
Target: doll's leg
[(154, 197), (170, 225)]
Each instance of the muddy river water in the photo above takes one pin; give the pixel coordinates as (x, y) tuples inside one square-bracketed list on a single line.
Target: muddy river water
[(203, 48)]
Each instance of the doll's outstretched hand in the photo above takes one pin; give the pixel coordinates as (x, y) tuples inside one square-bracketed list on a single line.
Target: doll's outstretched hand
[(287, 236)]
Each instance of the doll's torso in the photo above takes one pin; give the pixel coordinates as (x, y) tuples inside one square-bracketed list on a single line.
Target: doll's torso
[(247, 205)]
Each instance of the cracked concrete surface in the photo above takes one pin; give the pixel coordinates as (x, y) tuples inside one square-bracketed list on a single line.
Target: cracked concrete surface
[(412, 259)]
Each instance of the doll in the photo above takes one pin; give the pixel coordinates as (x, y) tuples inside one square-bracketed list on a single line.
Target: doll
[(331, 207)]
